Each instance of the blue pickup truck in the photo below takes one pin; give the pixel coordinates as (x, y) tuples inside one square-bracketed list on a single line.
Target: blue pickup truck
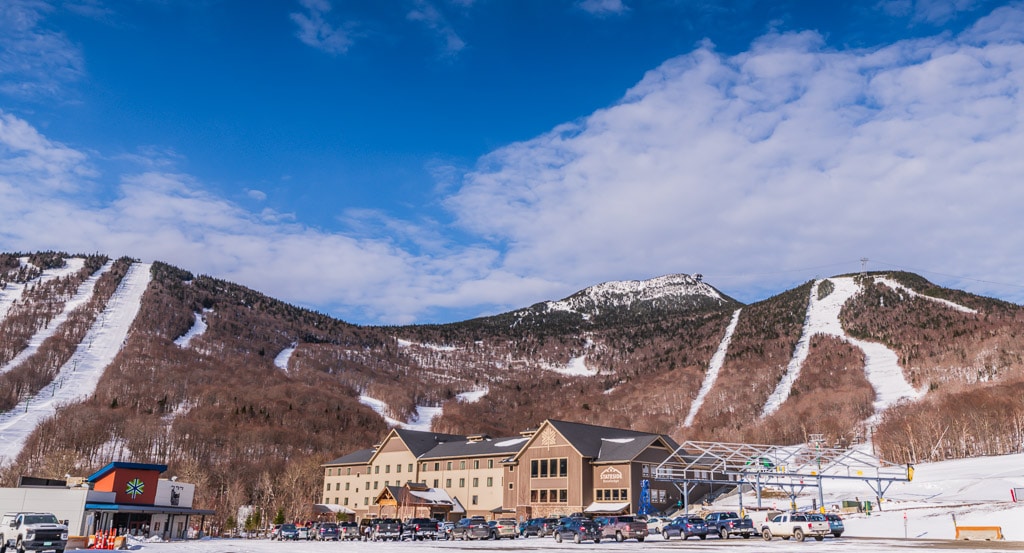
[(727, 524)]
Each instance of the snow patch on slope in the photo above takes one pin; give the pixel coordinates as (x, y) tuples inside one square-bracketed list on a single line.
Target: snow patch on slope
[(422, 420), (901, 288), (881, 364), (472, 396), (81, 297), (14, 291), (198, 328), (281, 361), (406, 343), (577, 366), (716, 365), (78, 378)]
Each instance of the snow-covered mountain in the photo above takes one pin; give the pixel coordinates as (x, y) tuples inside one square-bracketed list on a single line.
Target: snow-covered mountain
[(120, 360), (670, 292)]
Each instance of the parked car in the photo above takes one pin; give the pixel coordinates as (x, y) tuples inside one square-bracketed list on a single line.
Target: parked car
[(288, 532), (503, 528), (349, 531), (684, 527), (445, 530), (622, 527), (655, 524), (303, 533), (328, 531), (796, 526), (471, 529), (540, 527), (420, 529), (385, 529), (578, 530), (835, 523), (727, 524)]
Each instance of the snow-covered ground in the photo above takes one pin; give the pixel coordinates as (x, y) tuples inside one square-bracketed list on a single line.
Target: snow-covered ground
[(197, 330), (78, 378), (15, 290), (712, 375), (81, 296), (281, 361)]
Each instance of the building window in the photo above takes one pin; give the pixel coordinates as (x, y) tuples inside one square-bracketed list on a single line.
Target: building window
[(347, 484), (490, 463), (366, 501), (447, 482), (335, 500), (346, 501), (337, 486), (545, 468), (462, 465), (490, 481), (476, 464), (511, 468), (435, 482), (563, 496), (563, 467), (476, 482), (328, 487), (328, 472), (510, 485), (462, 482), (475, 500), (375, 484), (387, 469), (348, 471), (424, 469), (398, 467), (449, 465), (437, 466), (376, 469), (410, 467)]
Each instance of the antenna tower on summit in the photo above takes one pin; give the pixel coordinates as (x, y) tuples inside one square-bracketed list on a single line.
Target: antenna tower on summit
[(863, 265)]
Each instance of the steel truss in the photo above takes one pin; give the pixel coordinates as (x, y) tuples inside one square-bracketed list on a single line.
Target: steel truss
[(791, 468)]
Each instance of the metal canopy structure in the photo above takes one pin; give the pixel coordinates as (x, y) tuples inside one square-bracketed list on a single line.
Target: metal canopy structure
[(791, 468)]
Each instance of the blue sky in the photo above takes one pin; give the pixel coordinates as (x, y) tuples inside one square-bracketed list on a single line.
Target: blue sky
[(434, 160)]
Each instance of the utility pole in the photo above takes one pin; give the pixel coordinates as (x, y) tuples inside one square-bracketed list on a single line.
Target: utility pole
[(863, 266)]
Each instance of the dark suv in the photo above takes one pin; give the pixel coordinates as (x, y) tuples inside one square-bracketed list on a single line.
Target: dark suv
[(578, 530), (540, 527), (471, 529)]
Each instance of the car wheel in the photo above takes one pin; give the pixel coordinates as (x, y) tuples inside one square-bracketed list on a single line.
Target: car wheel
[(597, 540), (576, 538), (837, 534), (746, 536), (766, 534), (558, 537), (20, 548), (798, 535), (684, 535), (723, 533), (702, 536), (819, 538), (618, 536), (641, 538), (664, 534)]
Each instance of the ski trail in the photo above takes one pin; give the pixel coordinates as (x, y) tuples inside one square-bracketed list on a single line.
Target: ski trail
[(78, 378), (197, 330), (901, 288), (716, 364), (15, 290), (81, 297), (881, 364), (281, 361)]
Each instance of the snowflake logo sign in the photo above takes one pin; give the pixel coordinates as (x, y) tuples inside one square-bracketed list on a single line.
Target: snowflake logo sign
[(135, 488)]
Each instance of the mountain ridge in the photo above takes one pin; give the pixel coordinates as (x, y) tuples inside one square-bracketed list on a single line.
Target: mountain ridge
[(252, 403)]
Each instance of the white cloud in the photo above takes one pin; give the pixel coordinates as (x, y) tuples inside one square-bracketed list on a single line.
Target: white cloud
[(316, 31), (602, 7), (935, 12), (258, 195), (784, 156), (35, 62), (428, 14)]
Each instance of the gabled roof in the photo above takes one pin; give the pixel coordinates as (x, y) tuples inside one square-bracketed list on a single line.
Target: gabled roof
[(360, 457), (403, 495), (479, 448), (603, 444), (420, 442)]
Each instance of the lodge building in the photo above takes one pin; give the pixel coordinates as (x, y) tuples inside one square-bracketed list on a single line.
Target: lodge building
[(558, 468)]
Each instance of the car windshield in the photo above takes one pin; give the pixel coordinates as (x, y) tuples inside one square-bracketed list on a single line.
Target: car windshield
[(40, 519), (288, 527)]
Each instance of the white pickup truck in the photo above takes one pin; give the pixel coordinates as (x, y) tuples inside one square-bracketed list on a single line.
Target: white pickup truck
[(796, 526)]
